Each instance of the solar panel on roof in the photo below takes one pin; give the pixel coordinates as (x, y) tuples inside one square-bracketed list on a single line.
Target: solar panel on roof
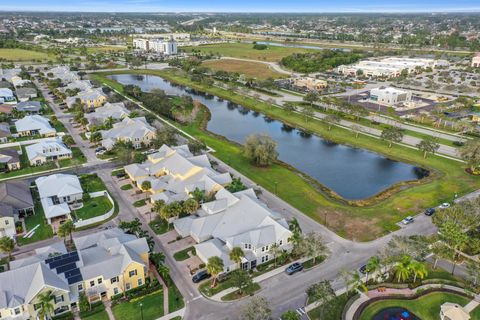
[(66, 267), (74, 279)]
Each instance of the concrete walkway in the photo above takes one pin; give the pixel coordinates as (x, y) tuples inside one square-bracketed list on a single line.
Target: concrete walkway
[(178, 313), (108, 309)]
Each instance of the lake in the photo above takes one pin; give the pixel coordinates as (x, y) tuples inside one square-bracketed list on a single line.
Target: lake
[(352, 173)]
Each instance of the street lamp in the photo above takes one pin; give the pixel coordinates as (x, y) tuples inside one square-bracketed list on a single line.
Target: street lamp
[(141, 310)]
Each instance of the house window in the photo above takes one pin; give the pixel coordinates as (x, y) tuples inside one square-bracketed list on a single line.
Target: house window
[(92, 283), (115, 291), (266, 248), (266, 257), (249, 246), (127, 286), (280, 243), (58, 299), (17, 311), (7, 222), (263, 259), (99, 280), (113, 280), (80, 287), (140, 282), (132, 273), (246, 246), (263, 249)]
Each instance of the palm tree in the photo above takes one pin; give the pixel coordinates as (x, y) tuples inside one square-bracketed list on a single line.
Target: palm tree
[(402, 269), (276, 250), (66, 229), (158, 205), (236, 255), (46, 305), (6, 246), (419, 270), (163, 271), (214, 267), (190, 206), (373, 265)]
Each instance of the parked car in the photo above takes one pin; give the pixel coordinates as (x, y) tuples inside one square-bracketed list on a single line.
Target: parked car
[(407, 220), (294, 268), (429, 211), (444, 205), (100, 149), (200, 275), (363, 269), (100, 152)]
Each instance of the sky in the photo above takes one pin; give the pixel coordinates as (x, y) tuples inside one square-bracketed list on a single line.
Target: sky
[(242, 5)]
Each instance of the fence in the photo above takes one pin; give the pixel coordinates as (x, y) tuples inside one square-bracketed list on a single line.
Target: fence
[(105, 216)]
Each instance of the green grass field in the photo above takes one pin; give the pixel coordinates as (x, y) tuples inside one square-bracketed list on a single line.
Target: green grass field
[(250, 69), (152, 308), (424, 307), (246, 51), (44, 231), (23, 55), (363, 221), (94, 207)]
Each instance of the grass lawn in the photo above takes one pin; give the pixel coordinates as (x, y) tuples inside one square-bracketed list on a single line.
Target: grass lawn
[(77, 158), (93, 208), (237, 295), (183, 254), (92, 183), (152, 308), (118, 171), (475, 314), (160, 226), (41, 233), (23, 55), (59, 126), (248, 68), (104, 49), (127, 186), (139, 203), (175, 299), (245, 50), (332, 311), (97, 313), (424, 307), (364, 220)]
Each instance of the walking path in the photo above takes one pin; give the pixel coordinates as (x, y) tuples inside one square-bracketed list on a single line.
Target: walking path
[(108, 309), (164, 287)]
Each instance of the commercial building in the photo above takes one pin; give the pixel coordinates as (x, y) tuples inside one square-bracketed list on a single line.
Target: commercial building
[(309, 83), (390, 96), (476, 60), (388, 67), (103, 264)]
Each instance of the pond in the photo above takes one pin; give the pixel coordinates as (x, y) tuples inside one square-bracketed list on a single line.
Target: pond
[(395, 314), (352, 173)]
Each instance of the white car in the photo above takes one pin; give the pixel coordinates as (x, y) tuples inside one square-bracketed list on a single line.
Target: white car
[(407, 220), (444, 205)]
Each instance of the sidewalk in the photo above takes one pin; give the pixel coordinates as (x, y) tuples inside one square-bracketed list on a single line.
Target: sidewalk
[(178, 313)]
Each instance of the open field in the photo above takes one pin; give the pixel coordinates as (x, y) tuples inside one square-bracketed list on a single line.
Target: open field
[(23, 55), (362, 221), (245, 50), (424, 307), (106, 49), (248, 68)]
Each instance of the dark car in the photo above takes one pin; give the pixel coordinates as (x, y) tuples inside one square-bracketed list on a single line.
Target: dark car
[(100, 149), (429, 211), (363, 269), (294, 268), (200, 275)]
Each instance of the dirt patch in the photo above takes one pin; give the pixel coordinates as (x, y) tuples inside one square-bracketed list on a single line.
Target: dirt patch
[(348, 226)]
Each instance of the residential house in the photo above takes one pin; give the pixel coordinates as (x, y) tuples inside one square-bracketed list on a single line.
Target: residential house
[(5, 84), (4, 132), (90, 98), (114, 111), (8, 74), (235, 220), (29, 107), (7, 96), (63, 73), (56, 192), (19, 82), (7, 221), (136, 130), (103, 264), (476, 60), (26, 93), (34, 124), (81, 85), (6, 108), (17, 195), (174, 173), (9, 159), (47, 150)]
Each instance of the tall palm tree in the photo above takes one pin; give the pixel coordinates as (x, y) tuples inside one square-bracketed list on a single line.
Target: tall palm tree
[(214, 267), (46, 305), (276, 250), (419, 270), (373, 265), (6, 246), (66, 229), (402, 268), (236, 255)]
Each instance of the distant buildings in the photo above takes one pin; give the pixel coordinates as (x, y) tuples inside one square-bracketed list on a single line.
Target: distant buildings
[(309, 83), (388, 67), (166, 47), (34, 124), (476, 60), (136, 130), (390, 96)]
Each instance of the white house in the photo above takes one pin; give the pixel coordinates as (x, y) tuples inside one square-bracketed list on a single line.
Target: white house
[(390, 96), (235, 220), (47, 150), (135, 130), (34, 124), (63, 73), (81, 85), (476, 60), (7, 96), (115, 111), (56, 192)]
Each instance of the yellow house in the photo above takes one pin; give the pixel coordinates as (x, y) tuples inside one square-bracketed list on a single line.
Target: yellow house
[(92, 98)]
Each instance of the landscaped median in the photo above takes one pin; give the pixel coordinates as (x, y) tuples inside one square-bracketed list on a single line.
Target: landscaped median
[(362, 220)]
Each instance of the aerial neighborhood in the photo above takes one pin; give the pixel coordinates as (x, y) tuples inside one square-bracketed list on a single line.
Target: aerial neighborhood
[(255, 166)]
